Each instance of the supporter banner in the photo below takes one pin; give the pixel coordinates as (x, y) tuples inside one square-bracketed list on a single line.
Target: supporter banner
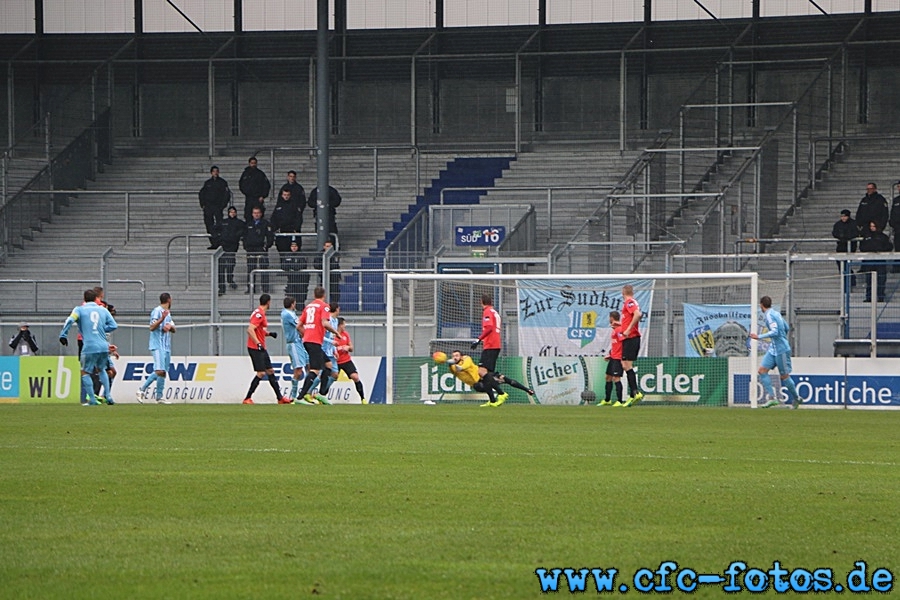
[(191, 379), (560, 380), (830, 382), (719, 330), (563, 317)]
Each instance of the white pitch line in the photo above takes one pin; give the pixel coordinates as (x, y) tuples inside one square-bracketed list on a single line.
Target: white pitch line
[(810, 461)]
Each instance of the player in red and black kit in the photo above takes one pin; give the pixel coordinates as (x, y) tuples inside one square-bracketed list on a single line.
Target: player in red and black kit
[(256, 346), (315, 320), (343, 347), (614, 364), (631, 342), (490, 335)]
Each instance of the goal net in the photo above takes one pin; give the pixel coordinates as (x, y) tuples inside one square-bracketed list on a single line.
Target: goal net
[(555, 335)]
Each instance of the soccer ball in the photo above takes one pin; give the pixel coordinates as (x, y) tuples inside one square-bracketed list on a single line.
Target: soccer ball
[(439, 357)]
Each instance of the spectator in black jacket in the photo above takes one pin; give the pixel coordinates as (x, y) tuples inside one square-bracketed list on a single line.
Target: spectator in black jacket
[(255, 186), (334, 200), (230, 234), (297, 191), (214, 197), (846, 232), (875, 241), (257, 241), (895, 226), (294, 263), (286, 218), (872, 207)]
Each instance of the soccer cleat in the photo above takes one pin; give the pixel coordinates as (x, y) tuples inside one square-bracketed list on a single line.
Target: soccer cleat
[(636, 398), (529, 392), (618, 403), (101, 399), (305, 402), (139, 396), (110, 402), (772, 402), (501, 399), (488, 403), (162, 401), (429, 403), (795, 403), (285, 400), (310, 399), (604, 403), (363, 401), (247, 401), (323, 399), (93, 403)]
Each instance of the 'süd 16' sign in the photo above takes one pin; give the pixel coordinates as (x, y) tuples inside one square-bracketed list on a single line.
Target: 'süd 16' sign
[(480, 236)]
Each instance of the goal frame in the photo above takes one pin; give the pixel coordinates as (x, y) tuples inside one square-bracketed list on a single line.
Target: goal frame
[(751, 277)]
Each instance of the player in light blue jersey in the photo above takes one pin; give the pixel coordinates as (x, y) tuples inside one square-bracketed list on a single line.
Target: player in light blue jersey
[(161, 330), (778, 355), (94, 322), (294, 345)]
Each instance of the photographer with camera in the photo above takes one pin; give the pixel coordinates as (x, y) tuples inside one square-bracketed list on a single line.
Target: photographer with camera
[(23, 343)]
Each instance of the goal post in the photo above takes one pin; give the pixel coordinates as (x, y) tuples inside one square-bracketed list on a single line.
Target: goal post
[(555, 333)]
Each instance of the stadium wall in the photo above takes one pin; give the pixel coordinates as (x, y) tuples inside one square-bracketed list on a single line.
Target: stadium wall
[(471, 109)]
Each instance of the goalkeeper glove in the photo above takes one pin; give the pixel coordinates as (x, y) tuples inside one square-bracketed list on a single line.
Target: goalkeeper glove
[(259, 347), (64, 341), (273, 335), (475, 344)]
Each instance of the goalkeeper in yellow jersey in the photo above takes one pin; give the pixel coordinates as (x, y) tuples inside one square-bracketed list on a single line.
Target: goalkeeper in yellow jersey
[(464, 368)]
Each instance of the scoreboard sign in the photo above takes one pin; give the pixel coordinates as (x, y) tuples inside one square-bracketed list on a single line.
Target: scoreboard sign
[(480, 236)]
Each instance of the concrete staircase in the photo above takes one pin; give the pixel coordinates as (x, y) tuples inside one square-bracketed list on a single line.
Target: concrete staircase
[(70, 247), (559, 218), (841, 187)]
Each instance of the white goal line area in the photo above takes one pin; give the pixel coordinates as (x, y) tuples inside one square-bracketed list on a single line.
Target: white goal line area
[(557, 326)]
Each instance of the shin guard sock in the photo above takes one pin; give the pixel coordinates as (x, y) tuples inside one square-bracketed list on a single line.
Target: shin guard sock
[(253, 385), (274, 384), (88, 386), (632, 382)]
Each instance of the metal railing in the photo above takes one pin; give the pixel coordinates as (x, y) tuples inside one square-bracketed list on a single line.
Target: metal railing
[(36, 284), (807, 286), (127, 196), (443, 221), (549, 190), (376, 152), (187, 237), (603, 257), (760, 243)]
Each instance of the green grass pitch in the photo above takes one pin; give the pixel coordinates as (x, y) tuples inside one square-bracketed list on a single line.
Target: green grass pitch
[(421, 502)]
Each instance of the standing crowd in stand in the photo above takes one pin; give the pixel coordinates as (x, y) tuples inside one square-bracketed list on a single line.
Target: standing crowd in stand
[(283, 228), (865, 233)]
